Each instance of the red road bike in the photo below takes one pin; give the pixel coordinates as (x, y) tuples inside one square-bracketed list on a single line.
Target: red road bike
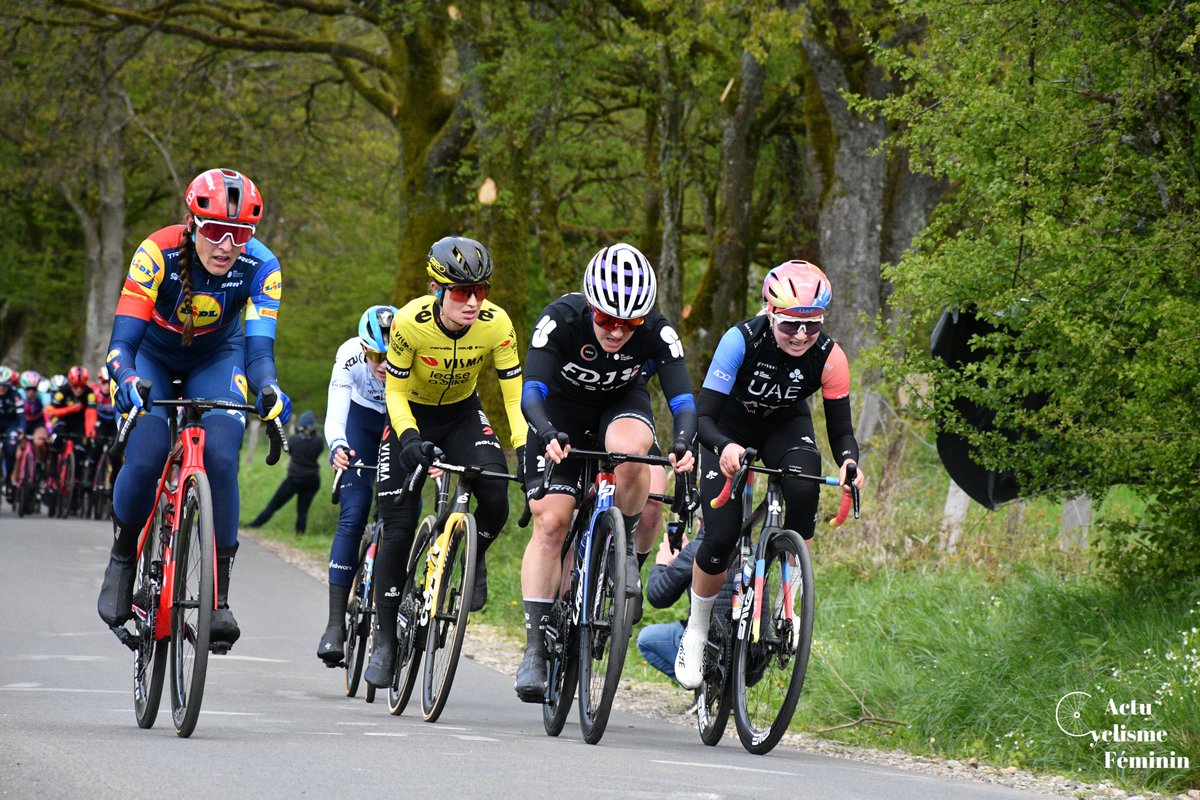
[(175, 588)]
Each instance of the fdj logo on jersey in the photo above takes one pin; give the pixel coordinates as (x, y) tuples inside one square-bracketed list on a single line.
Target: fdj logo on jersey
[(591, 379), (206, 310)]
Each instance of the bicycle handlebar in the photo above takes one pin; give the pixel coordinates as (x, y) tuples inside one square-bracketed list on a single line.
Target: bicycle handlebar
[(430, 452), (337, 479), (735, 484), (275, 433)]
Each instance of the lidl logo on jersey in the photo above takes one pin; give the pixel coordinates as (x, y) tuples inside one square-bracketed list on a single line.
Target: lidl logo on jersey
[(143, 269), (239, 384), (206, 309), (273, 285)]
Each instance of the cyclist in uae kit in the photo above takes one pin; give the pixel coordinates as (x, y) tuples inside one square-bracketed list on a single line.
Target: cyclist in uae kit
[(584, 378), (756, 395), (438, 347), (355, 417), (180, 315)]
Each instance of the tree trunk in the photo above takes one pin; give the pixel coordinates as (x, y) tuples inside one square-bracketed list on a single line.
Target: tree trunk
[(721, 299), (103, 230), (851, 213), (670, 188)]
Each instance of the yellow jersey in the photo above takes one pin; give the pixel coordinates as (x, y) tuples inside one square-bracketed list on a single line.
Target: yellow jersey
[(431, 366)]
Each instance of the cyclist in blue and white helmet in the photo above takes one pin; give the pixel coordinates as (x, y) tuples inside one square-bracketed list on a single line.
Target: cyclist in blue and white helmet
[(620, 282), (374, 326), (355, 416)]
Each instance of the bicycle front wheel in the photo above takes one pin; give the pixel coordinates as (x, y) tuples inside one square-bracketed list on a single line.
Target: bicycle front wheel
[(769, 670), (150, 658), (604, 634), (359, 617), (448, 620), (192, 603), (562, 667), (410, 628)]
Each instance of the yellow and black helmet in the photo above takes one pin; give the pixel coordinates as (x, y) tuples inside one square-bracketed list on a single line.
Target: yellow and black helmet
[(456, 259)]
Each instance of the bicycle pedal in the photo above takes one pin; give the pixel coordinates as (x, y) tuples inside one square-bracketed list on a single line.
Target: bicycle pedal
[(219, 648)]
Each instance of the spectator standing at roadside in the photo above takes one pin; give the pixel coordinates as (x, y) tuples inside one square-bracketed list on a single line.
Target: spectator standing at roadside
[(303, 476)]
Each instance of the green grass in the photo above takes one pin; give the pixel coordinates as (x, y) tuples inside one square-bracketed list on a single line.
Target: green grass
[(969, 667)]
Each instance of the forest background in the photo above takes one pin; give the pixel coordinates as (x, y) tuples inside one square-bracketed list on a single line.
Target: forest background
[(1035, 162)]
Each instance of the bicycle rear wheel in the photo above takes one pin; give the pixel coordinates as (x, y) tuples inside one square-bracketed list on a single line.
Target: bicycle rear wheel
[(448, 619), (604, 634), (191, 615), (562, 667), (150, 658), (359, 617), (66, 486), (410, 630), (714, 698), (769, 673)]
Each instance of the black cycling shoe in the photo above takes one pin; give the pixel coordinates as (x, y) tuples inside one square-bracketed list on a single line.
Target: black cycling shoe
[(531, 678), (633, 575), (382, 665), (223, 632), (116, 593), (479, 591), (635, 609), (332, 648)]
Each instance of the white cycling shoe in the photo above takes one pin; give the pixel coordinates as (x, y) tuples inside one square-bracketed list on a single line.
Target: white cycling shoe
[(689, 660)]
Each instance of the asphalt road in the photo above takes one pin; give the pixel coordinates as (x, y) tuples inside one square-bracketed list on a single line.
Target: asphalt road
[(275, 722)]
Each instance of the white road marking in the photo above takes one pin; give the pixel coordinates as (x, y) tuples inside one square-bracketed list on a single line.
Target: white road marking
[(74, 690), (725, 766)]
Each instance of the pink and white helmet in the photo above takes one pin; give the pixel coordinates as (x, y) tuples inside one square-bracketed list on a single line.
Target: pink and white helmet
[(798, 289)]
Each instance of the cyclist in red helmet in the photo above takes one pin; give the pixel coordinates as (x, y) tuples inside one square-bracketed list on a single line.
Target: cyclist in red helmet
[(180, 316), (72, 408)]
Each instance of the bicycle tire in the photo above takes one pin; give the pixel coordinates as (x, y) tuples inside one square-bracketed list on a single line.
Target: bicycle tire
[(714, 697), (101, 485), (562, 668), (410, 632), (25, 492), (191, 615), (150, 659), (604, 637), (66, 486), (448, 619), (358, 614), (769, 674)]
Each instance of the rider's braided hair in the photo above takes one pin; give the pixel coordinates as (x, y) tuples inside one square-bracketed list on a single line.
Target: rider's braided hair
[(187, 254)]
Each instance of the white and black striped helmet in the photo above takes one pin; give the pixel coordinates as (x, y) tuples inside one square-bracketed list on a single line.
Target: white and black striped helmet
[(620, 282)]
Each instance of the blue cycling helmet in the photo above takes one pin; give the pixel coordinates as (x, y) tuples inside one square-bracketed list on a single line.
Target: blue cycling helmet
[(375, 326)]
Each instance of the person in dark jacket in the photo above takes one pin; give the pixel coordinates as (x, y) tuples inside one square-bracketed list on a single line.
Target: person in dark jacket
[(303, 476), (670, 578)]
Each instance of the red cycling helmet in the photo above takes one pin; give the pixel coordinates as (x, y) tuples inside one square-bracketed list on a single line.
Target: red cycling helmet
[(225, 194), (77, 376)]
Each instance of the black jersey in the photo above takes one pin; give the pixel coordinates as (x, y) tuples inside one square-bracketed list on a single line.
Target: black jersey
[(565, 362)]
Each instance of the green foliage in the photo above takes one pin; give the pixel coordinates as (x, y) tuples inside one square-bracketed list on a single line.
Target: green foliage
[(1068, 131)]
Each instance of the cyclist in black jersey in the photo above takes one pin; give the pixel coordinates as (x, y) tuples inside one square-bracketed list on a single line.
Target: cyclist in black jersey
[(584, 378), (437, 349), (756, 395)]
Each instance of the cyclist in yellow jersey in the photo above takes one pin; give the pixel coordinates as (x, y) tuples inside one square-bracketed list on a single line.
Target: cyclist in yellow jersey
[(439, 345)]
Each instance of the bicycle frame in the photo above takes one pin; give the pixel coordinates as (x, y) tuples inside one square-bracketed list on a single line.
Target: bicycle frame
[(186, 458)]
